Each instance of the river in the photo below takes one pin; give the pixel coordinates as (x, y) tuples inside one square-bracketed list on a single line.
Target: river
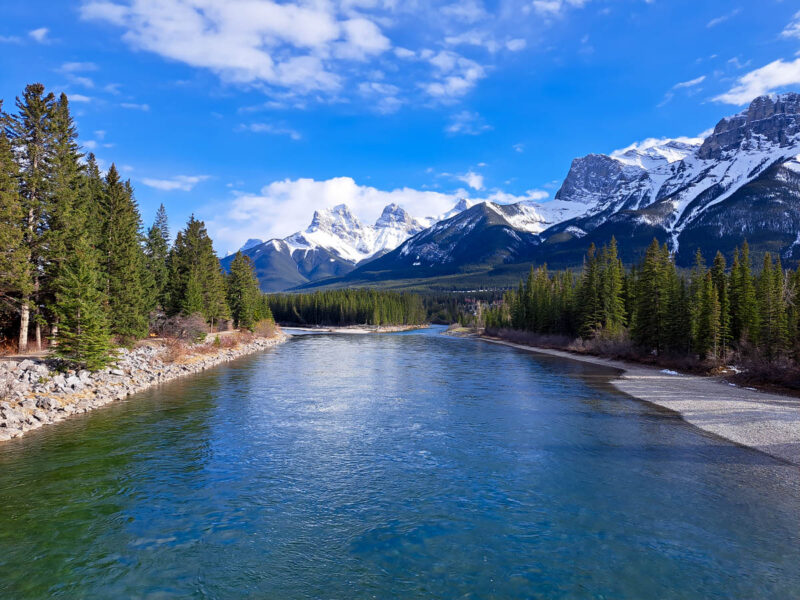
[(385, 466)]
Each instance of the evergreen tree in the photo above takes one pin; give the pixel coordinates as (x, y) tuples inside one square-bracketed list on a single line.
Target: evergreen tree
[(244, 292), (611, 289), (84, 337), (772, 309), (157, 252), (652, 300), (193, 257), (744, 307), (123, 260), (722, 285), (15, 276), (30, 133)]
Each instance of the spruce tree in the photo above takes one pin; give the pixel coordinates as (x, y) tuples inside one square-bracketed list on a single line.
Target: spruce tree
[(123, 260), (652, 300), (611, 289), (30, 133), (157, 252), (84, 337), (15, 276), (193, 256), (243, 293), (722, 285)]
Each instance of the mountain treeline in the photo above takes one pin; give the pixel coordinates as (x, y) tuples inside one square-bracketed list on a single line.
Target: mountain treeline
[(707, 313), (77, 269), (348, 307)]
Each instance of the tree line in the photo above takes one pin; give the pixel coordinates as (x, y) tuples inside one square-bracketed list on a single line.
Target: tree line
[(348, 307), (76, 266), (706, 313)]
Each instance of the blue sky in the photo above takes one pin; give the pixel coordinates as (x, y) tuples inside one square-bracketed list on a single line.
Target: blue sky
[(252, 113)]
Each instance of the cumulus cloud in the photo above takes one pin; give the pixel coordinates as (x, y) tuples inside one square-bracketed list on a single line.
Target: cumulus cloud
[(183, 183), (776, 75), (472, 179), (135, 106), (455, 75), (283, 207), (282, 44)]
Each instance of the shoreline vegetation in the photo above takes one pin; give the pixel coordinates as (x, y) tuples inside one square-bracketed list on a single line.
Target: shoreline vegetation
[(354, 329)]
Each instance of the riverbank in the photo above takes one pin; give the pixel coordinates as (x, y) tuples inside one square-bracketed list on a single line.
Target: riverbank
[(34, 394), (769, 423)]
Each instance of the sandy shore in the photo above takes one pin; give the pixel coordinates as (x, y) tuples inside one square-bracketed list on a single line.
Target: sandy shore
[(767, 422)]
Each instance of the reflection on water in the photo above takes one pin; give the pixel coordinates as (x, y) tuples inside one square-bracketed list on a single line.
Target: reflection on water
[(383, 466)]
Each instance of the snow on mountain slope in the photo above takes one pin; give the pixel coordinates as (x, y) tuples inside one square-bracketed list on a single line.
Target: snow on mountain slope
[(671, 183)]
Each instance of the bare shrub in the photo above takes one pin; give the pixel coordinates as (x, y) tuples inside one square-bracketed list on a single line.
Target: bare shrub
[(192, 328), (8, 347), (266, 328), (175, 350)]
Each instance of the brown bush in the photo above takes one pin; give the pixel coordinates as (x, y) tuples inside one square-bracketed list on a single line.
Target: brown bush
[(266, 328), (8, 347), (175, 350), (192, 328)]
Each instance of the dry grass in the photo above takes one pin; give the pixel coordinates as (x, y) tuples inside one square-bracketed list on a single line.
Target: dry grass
[(8, 347)]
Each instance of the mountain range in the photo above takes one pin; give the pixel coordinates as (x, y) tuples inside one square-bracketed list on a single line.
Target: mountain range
[(739, 181)]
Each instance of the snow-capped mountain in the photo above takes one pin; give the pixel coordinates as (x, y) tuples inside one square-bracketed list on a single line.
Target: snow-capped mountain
[(333, 244), (738, 181)]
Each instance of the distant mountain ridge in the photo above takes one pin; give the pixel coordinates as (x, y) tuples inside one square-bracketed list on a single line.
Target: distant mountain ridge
[(741, 180)]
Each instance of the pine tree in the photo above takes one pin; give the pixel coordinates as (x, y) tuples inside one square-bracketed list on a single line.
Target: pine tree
[(744, 307), (66, 215), (193, 256), (15, 276), (243, 293), (157, 252), (652, 300), (589, 301), (722, 285), (772, 310), (611, 288), (84, 337), (30, 133), (123, 260)]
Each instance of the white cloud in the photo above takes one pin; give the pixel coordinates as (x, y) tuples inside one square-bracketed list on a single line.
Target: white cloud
[(468, 11), (183, 183), (79, 98), (455, 75), (690, 83), (271, 129), (793, 28), (554, 8), (467, 123), (288, 45), (775, 75), (9, 39), (134, 106), (516, 45), (519, 147), (472, 179), (40, 35), (722, 18), (75, 67)]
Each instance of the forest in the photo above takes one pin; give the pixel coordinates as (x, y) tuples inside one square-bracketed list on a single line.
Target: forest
[(348, 307), (78, 272), (711, 314)]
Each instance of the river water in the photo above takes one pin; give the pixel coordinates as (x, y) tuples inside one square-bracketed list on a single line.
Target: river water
[(393, 466)]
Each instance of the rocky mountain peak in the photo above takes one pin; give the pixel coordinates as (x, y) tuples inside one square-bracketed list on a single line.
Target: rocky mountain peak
[(337, 220), (769, 119), (392, 215)]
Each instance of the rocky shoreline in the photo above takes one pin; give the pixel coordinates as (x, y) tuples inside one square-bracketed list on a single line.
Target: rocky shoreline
[(34, 394)]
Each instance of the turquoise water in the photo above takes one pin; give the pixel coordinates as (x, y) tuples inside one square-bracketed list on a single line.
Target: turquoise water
[(386, 466)]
